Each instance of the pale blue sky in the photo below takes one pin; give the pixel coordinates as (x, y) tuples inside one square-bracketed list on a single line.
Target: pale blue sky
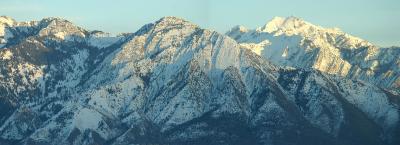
[(377, 21)]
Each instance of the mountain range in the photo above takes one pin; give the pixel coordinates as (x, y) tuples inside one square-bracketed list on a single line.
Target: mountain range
[(173, 82), (294, 42)]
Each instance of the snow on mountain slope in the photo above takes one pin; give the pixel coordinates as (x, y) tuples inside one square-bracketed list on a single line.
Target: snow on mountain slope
[(101, 40), (329, 50), (5, 22), (172, 82)]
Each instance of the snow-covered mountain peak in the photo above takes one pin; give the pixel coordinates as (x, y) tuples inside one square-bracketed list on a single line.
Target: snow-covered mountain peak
[(54, 19), (317, 36), (54, 22), (170, 37), (170, 22), (286, 24), (296, 26), (60, 28), (172, 19), (6, 20)]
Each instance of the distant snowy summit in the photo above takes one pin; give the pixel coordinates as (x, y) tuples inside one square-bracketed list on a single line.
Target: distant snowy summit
[(294, 42)]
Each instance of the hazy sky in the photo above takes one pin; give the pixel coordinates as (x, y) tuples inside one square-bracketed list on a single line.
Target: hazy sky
[(377, 21)]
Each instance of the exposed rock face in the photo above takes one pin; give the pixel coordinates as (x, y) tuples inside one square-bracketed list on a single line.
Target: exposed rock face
[(328, 50), (172, 82)]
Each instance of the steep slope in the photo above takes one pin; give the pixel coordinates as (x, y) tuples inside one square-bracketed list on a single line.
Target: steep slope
[(172, 82), (294, 42)]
